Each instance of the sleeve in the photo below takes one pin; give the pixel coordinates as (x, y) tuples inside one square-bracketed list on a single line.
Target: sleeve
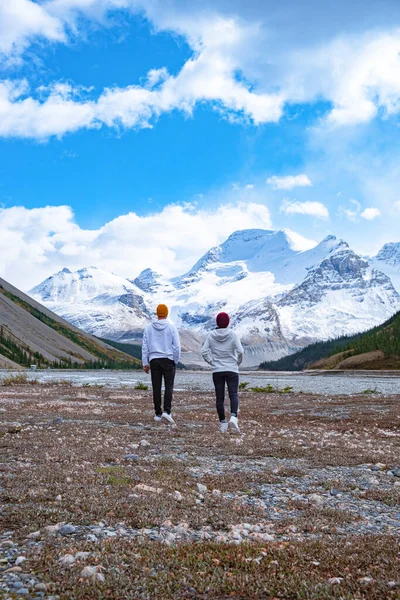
[(145, 349), (206, 351), (239, 349), (176, 345)]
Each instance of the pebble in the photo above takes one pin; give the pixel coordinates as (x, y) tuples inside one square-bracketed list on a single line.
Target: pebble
[(41, 587), (89, 571), (67, 560), (132, 457), (178, 496), (68, 529), (202, 489), (144, 443), (20, 560), (58, 421)]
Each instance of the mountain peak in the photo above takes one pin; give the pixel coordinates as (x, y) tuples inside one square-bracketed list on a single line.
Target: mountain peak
[(148, 280), (390, 254)]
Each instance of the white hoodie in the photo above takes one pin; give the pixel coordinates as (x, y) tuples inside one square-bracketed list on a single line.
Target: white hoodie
[(223, 350), (160, 340)]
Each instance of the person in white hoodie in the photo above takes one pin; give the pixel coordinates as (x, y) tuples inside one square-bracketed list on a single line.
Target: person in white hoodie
[(224, 352), (161, 351)]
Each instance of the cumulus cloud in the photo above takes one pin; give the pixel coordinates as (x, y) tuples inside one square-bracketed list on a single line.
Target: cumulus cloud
[(35, 243), (289, 182), (314, 209), (239, 65), (370, 213)]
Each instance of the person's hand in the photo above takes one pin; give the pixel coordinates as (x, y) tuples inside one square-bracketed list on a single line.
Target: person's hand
[(146, 368)]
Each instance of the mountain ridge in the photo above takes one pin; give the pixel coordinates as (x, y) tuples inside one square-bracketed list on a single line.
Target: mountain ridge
[(280, 299)]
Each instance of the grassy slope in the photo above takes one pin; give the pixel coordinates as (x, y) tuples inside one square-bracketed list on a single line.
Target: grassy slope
[(17, 351), (340, 352)]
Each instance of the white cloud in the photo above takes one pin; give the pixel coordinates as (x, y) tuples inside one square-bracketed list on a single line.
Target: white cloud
[(238, 64), (370, 213), (22, 21), (34, 243), (289, 182), (314, 209)]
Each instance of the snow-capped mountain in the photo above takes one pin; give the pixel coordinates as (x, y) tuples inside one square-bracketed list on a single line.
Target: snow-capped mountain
[(97, 301), (279, 299), (388, 261)]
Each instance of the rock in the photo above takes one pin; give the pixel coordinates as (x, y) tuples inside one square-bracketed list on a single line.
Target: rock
[(132, 457), (365, 580), (68, 480), (14, 570), (202, 489), (91, 538), (35, 535), (59, 498), (178, 496), (68, 529), (316, 499), (396, 472), (20, 560), (41, 587), (23, 592), (335, 580), (52, 529), (100, 577), (216, 492), (90, 571), (146, 488), (67, 560), (58, 421), (167, 524), (82, 555), (335, 493), (144, 443)]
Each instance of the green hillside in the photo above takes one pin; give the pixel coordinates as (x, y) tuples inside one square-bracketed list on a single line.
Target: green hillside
[(31, 334), (384, 338)]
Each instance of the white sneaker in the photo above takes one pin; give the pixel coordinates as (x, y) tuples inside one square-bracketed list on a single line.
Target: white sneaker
[(223, 427), (157, 418), (168, 418), (233, 425)]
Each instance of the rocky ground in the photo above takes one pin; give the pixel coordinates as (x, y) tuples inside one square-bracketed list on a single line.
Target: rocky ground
[(98, 501)]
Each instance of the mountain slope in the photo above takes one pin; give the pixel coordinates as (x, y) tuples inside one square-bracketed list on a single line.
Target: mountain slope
[(388, 261), (279, 299), (32, 334), (378, 348)]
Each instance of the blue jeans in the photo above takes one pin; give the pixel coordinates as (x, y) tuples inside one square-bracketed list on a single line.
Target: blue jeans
[(232, 381)]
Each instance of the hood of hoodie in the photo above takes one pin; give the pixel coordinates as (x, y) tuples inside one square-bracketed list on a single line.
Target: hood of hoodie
[(160, 325), (221, 335)]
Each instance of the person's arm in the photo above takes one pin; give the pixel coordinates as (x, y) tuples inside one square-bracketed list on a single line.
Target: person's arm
[(239, 349), (206, 351), (176, 345), (145, 353)]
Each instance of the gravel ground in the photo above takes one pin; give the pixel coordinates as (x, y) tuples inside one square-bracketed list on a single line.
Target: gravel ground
[(98, 501)]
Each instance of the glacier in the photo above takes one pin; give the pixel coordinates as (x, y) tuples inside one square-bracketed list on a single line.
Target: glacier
[(279, 299)]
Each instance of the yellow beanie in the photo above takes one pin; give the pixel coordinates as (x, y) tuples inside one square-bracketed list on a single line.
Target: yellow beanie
[(162, 311)]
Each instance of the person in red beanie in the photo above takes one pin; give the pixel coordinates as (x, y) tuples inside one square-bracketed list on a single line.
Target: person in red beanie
[(224, 352)]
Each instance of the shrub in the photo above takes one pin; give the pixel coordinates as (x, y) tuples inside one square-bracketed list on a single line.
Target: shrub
[(20, 379), (243, 385), (141, 386)]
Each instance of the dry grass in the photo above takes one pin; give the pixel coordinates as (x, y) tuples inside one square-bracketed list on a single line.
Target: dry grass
[(73, 444)]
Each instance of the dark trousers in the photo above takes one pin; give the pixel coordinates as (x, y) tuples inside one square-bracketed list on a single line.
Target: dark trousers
[(159, 368), (232, 381)]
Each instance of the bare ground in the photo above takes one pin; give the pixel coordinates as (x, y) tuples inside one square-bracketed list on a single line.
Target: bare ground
[(304, 504)]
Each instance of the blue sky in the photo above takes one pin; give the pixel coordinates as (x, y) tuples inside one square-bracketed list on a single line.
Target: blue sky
[(137, 134)]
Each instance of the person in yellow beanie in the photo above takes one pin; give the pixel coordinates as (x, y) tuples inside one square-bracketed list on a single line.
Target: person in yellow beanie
[(161, 351)]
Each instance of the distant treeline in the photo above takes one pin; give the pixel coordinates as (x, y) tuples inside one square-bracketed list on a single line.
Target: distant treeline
[(385, 337)]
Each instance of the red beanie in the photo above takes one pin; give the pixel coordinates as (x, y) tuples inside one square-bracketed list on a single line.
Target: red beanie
[(222, 320)]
